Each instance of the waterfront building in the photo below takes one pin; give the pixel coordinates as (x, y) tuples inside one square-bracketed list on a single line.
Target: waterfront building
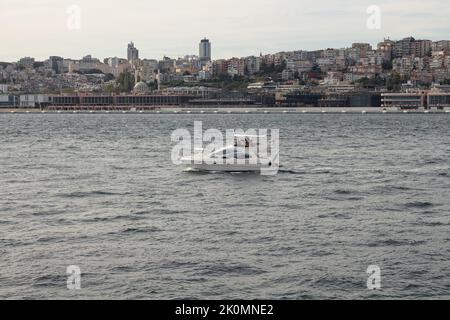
[(333, 100), (7, 100), (111, 102), (440, 88), (338, 87), (404, 100), (365, 100), (296, 99), (192, 91), (438, 100), (33, 100)]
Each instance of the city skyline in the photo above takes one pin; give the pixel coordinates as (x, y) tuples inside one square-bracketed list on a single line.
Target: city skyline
[(135, 47), (40, 29)]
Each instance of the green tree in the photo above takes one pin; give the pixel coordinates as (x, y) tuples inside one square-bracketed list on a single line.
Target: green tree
[(394, 82), (125, 82)]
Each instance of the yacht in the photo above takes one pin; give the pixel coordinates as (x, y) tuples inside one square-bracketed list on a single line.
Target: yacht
[(240, 157)]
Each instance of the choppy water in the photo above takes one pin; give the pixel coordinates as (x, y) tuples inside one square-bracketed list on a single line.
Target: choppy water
[(100, 192)]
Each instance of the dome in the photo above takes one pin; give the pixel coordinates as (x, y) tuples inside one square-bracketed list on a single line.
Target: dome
[(141, 87)]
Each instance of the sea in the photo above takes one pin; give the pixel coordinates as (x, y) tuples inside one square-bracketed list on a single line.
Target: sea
[(99, 193)]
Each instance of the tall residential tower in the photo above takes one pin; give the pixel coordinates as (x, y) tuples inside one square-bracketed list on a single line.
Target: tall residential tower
[(132, 52), (205, 50)]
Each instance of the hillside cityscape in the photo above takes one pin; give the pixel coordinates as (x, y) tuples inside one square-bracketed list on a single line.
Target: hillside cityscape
[(358, 75)]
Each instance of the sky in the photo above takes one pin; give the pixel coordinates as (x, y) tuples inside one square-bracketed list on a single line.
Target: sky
[(236, 28)]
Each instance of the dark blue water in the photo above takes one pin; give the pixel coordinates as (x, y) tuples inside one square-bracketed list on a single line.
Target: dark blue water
[(100, 192)]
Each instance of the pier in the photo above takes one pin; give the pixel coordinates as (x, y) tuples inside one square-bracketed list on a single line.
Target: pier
[(214, 110)]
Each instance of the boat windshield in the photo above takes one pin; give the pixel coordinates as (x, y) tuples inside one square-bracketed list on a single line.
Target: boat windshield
[(230, 153)]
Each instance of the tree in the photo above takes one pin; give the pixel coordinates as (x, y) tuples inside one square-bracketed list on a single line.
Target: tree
[(126, 82), (267, 68), (370, 83), (394, 82), (153, 85), (281, 67), (111, 88)]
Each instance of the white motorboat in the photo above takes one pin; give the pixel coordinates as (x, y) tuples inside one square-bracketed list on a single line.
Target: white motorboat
[(240, 157)]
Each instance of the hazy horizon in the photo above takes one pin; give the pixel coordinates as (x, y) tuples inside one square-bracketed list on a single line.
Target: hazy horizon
[(174, 28)]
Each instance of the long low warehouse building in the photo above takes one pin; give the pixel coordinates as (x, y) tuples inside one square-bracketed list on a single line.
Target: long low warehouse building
[(122, 100), (438, 100), (7, 100), (428, 100), (407, 100)]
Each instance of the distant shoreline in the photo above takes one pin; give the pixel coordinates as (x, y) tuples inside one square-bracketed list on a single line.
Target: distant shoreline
[(223, 110)]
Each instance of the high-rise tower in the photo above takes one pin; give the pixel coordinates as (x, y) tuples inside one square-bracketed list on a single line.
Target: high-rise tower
[(132, 52), (205, 50)]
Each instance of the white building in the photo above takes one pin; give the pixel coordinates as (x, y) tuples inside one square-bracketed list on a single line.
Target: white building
[(148, 70), (287, 75), (326, 64), (299, 66), (3, 88), (33, 100), (204, 75), (253, 64), (7, 100), (113, 62)]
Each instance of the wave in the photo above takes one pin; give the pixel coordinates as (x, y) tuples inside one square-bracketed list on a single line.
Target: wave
[(419, 204), (81, 194), (144, 230), (395, 243), (223, 269), (47, 281)]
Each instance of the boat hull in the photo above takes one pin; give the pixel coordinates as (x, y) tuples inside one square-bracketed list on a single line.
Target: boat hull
[(226, 167)]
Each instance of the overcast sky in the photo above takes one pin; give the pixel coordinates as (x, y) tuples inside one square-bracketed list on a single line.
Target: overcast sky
[(39, 28)]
